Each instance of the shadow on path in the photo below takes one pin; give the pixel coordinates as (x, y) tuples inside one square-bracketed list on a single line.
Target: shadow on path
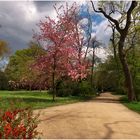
[(110, 131)]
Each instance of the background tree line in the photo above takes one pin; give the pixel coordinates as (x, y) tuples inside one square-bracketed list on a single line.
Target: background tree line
[(67, 64)]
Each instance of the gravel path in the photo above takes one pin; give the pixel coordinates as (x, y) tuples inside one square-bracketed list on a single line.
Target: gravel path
[(100, 119)]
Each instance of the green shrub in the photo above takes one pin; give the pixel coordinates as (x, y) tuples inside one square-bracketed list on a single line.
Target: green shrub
[(64, 88), (120, 91), (64, 92), (72, 88), (83, 89), (137, 87), (3, 81)]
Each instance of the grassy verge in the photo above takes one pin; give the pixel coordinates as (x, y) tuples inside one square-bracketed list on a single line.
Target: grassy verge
[(34, 99), (135, 106)]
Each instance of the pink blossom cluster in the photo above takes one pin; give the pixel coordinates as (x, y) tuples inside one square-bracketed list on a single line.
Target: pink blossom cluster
[(64, 45)]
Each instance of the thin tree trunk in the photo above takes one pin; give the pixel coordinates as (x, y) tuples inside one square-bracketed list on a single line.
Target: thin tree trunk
[(30, 86), (92, 69), (87, 47), (53, 85), (115, 54), (53, 78), (40, 86)]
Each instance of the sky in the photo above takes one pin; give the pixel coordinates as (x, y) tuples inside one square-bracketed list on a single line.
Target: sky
[(19, 19)]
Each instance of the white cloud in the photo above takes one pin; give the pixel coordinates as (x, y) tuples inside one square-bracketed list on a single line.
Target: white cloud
[(103, 32), (19, 18), (101, 53), (30, 12), (84, 21)]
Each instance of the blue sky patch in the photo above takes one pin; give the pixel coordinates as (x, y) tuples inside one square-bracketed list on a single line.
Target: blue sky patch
[(96, 18), (84, 13)]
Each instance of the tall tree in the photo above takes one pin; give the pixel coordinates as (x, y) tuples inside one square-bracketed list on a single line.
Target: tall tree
[(123, 32), (23, 74)]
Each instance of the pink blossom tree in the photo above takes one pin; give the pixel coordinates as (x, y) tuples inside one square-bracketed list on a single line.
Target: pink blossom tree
[(63, 42)]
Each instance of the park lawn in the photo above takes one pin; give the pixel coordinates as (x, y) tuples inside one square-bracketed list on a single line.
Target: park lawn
[(34, 99), (135, 106)]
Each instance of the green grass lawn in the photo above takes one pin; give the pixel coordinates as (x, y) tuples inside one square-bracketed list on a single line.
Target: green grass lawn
[(34, 99), (135, 106)]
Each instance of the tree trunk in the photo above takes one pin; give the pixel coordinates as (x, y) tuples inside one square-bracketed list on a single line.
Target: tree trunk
[(53, 78), (53, 85), (30, 86), (40, 87), (115, 55), (92, 69), (126, 70)]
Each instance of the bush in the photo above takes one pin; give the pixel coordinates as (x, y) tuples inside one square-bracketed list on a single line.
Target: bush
[(137, 88), (120, 91), (18, 124), (64, 88), (83, 89), (3, 81), (72, 88), (64, 92)]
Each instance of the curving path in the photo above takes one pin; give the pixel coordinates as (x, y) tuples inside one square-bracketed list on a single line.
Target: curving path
[(102, 118)]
